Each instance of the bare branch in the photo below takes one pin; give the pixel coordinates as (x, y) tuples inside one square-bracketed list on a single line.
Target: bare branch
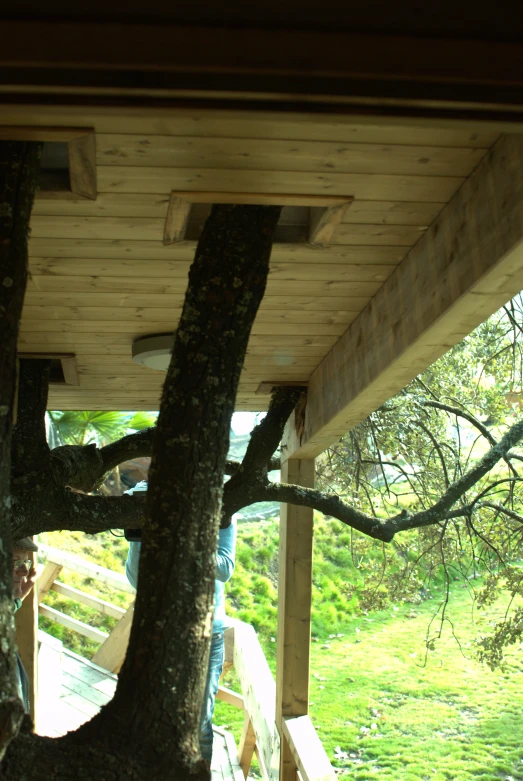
[(471, 419), (249, 480)]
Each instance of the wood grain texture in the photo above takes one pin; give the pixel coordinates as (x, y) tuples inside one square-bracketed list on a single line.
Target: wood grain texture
[(176, 220), (216, 122), (294, 608), (407, 187), (273, 155), (82, 165), (469, 263), (324, 223), (154, 250)]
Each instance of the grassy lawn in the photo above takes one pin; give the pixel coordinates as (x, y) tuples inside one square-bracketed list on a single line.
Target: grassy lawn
[(382, 709)]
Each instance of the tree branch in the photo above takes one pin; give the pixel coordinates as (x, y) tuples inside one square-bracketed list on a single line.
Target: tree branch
[(78, 512), (251, 476), (474, 421), (386, 529)]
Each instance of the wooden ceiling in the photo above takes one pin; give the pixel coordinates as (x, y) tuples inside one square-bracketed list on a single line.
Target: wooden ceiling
[(101, 276)]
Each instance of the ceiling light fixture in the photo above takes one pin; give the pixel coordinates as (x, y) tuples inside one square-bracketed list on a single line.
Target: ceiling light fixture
[(154, 351)]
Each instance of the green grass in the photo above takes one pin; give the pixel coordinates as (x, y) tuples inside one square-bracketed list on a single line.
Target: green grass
[(382, 709), (385, 710)]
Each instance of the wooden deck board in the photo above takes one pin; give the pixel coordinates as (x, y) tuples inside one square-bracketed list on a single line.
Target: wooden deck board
[(85, 687)]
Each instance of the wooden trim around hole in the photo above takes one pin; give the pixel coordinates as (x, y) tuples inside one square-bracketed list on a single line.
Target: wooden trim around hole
[(81, 147), (326, 210), (68, 362)]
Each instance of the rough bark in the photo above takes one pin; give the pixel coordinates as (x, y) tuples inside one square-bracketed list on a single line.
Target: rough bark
[(19, 166), (150, 728)]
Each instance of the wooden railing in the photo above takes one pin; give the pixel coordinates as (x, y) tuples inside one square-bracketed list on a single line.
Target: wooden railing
[(259, 733), (113, 646), (242, 651)]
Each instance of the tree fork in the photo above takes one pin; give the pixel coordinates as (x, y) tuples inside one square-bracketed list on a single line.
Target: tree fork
[(19, 167), (154, 716)]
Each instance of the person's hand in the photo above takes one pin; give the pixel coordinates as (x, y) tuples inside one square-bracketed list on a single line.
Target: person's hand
[(28, 583)]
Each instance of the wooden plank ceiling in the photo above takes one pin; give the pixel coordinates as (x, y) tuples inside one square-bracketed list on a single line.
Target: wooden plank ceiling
[(101, 277)]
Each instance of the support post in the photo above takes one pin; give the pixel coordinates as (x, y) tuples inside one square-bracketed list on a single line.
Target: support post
[(294, 609), (26, 624)]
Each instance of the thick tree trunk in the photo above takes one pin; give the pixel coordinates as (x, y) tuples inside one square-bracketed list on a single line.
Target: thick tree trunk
[(19, 166), (150, 729)]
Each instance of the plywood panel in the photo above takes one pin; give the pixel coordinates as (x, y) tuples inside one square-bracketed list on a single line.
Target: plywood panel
[(133, 179), (249, 124), (272, 155), (155, 250)]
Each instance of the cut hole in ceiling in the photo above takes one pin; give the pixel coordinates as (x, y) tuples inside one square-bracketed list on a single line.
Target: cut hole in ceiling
[(292, 228), (54, 167)]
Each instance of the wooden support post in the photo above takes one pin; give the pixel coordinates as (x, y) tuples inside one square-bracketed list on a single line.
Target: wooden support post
[(26, 623), (247, 745), (46, 578), (294, 609)]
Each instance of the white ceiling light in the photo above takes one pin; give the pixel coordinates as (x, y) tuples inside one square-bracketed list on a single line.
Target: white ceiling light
[(154, 351)]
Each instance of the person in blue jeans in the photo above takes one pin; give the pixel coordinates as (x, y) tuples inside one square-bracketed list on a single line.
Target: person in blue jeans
[(225, 559)]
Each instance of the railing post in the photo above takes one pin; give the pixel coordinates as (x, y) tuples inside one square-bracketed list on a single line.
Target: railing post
[(294, 609), (26, 623)]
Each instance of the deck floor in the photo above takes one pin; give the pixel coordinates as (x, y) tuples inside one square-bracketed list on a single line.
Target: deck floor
[(72, 690)]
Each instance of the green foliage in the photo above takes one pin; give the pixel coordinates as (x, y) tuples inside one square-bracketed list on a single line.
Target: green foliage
[(405, 456), (76, 427)]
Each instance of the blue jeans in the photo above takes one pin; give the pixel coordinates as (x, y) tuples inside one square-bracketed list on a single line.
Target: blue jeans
[(211, 687)]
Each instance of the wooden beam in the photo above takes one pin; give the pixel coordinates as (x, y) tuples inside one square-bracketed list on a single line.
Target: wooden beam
[(258, 689), (46, 578), (323, 223), (383, 71), (77, 564), (176, 220), (227, 695), (466, 266), (294, 608), (247, 745), (307, 749), (111, 654), (26, 625), (106, 608), (73, 623)]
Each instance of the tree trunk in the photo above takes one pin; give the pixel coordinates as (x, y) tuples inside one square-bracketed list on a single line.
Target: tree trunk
[(150, 729), (19, 166)]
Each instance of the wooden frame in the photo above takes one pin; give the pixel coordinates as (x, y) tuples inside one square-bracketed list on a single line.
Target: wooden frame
[(456, 73), (294, 609), (81, 148), (68, 363), (326, 211), (26, 626), (467, 265)]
